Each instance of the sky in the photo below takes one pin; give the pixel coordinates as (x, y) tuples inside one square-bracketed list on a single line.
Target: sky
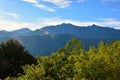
[(35, 14)]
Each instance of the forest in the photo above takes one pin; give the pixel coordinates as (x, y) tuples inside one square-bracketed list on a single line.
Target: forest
[(71, 62)]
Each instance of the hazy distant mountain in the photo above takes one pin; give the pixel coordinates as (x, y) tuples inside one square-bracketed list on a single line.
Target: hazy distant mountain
[(44, 45), (23, 30), (83, 32), (50, 38), (89, 32), (15, 33)]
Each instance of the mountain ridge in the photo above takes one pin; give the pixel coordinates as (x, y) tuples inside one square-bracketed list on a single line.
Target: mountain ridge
[(50, 38), (22, 30), (63, 24)]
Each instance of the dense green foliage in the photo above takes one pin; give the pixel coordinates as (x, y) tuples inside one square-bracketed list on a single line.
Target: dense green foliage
[(12, 57), (72, 62)]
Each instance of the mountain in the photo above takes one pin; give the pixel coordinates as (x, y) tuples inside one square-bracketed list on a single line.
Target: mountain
[(44, 45), (82, 32), (50, 38), (23, 30), (15, 33), (89, 32)]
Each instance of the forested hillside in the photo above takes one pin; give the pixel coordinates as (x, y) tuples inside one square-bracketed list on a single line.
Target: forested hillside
[(72, 62)]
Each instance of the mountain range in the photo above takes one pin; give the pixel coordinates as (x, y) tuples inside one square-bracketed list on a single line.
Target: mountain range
[(50, 38)]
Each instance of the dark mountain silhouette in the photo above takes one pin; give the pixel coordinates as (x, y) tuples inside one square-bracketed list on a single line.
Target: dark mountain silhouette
[(50, 38)]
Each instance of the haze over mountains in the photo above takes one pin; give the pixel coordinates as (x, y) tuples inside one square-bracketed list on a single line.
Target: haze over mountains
[(50, 38)]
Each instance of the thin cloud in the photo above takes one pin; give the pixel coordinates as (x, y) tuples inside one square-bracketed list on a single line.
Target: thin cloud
[(114, 10), (105, 1), (107, 22), (57, 20), (10, 25), (31, 1), (13, 25), (41, 6), (59, 3), (13, 15), (38, 5), (7, 14), (81, 1), (2, 16), (42, 22), (106, 19), (111, 22)]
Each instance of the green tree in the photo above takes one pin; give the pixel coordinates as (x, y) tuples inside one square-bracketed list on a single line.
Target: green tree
[(12, 56), (73, 63)]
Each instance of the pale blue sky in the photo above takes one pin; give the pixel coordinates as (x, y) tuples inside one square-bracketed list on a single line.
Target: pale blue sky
[(34, 14)]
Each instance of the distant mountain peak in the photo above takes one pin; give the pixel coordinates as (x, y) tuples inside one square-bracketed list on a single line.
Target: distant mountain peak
[(68, 24), (22, 30), (4, 31), (94, 25)]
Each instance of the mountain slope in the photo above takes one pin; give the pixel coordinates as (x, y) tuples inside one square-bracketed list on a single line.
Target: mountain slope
[(44, 45)]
